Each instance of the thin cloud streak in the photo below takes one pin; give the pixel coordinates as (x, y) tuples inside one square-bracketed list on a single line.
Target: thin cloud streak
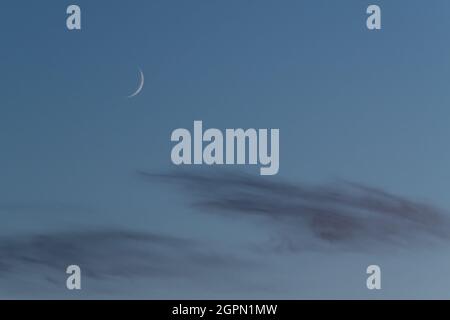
[(110, 253), (346, 215), (40, 208)]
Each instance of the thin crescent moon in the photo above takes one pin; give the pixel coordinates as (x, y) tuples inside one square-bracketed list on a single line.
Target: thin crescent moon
[(141, 85)]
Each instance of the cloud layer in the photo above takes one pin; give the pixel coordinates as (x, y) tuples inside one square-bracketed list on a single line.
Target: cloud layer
[(109, 253), (346, 215)]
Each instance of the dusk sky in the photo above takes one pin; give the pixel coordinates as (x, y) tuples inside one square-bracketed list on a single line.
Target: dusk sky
[(86, 176)]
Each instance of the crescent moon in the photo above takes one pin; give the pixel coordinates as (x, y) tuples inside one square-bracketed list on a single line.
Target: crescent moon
[(141, 85)]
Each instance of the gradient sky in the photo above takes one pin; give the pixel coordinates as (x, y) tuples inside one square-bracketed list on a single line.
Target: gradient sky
[(351, 104)]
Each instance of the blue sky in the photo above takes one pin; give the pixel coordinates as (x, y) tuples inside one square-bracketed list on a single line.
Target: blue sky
[(351, 105)]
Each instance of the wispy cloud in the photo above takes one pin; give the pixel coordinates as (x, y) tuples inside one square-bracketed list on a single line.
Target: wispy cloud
[(344, 214), (110, 253)]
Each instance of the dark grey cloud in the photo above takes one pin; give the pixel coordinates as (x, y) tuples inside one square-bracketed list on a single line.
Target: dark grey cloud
[(343, 214), (109, 253)]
